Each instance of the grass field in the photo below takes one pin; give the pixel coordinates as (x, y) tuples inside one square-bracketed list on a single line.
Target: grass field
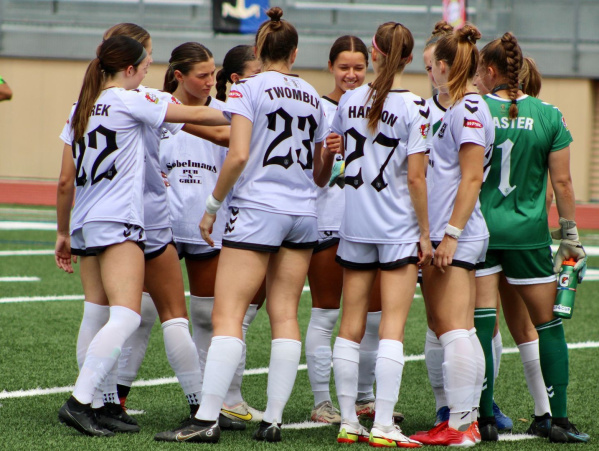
[(38, 365)]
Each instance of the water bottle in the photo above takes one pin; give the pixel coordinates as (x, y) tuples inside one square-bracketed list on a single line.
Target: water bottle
[(566, 290)]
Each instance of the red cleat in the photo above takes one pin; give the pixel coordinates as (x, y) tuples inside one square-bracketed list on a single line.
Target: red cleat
[(443, 435)]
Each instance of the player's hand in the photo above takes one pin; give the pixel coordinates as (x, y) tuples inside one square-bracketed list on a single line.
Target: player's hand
[(62, 253), (569, 249), (425, 251), (333, 143), (206, 225), (444, 253)]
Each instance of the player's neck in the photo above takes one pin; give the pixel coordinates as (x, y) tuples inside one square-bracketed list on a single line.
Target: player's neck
[(397, 81), (336, 94), (278, 66), (444, 99), (186, 99)]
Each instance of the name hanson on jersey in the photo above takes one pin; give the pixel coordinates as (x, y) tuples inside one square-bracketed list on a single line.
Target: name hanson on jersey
[(191, 164), (294, 94), (354, 112), (525, 123)]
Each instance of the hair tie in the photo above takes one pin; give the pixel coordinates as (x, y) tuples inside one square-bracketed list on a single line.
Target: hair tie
[(275, 19), (514, 101), (141, 57), (377, 47)]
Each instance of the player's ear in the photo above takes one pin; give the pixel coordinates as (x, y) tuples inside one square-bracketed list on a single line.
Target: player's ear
[(178, 76), (293, 56), (235, 77)]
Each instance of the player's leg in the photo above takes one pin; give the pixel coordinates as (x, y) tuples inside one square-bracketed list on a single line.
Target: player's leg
[(326, 280)]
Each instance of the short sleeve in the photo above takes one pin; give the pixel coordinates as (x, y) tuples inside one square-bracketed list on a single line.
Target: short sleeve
[(562, 137), (469, 127), (145, 107), (169, 98), (67, 131), (323, 129), (239, 102), (419, 128)]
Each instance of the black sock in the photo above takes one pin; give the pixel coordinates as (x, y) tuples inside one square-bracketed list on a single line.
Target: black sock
[(123, 390)]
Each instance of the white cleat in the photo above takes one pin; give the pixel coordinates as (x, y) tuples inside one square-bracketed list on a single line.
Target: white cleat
[(352, 433), (242, 411), (390, 437)]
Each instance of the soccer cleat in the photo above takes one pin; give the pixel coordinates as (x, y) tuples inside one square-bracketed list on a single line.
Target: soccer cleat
[(442, 415), (570, 434), (338, 174), (504, 423), (443, 435), (540, 426), (390, 437), (242, 411), (231, 424), (196, 431), (486, 432), (268, 432), (113, 416), (325, 412), (81, 417), (352, 433), (418, 435), (366, 409)]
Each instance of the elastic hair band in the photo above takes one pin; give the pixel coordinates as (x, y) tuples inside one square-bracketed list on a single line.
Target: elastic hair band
[(141, 57), (377, 47)]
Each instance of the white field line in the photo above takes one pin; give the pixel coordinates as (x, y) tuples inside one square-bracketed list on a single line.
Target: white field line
[(20, 279), (25, 225), (250, 372)]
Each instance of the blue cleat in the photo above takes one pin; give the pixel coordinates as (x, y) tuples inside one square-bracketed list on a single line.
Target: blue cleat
[(559, 434), (504, 423), (338, 174), (442, 415)]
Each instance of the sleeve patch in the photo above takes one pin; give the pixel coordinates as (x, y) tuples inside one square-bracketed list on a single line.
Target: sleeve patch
[(151, 98), (234, 94), (471, 123), (424, 128), (564, 123)]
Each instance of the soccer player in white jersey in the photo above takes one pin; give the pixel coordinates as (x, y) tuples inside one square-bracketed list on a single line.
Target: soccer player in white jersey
[(272, 160), (385, 225), (103, 158), (192, 165), (458, 230)]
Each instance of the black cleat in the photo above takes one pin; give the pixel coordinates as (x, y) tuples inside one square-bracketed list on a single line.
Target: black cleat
[(230, 424), (488, 432), (113, 416), (81, 417), (268, 432), (196, 431), (540, 426), (559, 434)]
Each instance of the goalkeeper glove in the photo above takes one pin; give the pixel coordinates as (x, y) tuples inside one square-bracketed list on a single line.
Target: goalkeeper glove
[(569, 247)]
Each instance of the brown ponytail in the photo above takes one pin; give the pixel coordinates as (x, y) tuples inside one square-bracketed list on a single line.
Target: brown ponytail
[(394, 43), (530, 77), (276, 38), (183, 58), (113, 55), (235, 62), (459, 51), (506, 56)]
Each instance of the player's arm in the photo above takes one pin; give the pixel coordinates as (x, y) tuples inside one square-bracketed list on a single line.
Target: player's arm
[(471, 158), (324, 158), (237, 158), (548, 194), (199, 115), (418, 195), (5, 92), (218, 135), (64, 201)]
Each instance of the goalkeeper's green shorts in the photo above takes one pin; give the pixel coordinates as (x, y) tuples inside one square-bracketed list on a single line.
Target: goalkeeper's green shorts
[(521, 267)]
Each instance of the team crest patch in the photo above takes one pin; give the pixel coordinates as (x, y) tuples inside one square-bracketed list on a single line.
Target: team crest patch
[(471, 123), (235, 94), (175, 100), (564, 122), (151, 98), (424, 128)]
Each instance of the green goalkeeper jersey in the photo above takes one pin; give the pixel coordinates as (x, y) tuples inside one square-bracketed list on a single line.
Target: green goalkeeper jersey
[(513, 195)]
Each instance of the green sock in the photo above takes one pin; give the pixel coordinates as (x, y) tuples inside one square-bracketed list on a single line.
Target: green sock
[(553, 351), (484, 321)]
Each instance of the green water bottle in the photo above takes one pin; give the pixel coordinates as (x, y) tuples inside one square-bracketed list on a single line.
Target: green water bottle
[(566, 290)]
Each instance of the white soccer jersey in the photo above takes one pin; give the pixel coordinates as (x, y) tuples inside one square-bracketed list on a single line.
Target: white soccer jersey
[(467, 121), (379, 208), (330, 201), (192, 166), (435, 119), (110, 159), (156, 214), (287, 119)]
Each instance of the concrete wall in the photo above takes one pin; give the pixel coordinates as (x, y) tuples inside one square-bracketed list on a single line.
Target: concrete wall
[(44, 91)]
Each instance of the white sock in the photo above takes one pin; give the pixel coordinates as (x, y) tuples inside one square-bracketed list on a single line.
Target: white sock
[(109, 390), (346, 360), (529, 353), (94, 318), (183, 357), (200, 313), (234, 395), (479, 355), (284, 359), (459, 374), (369, 347), (134, 349), (433, 357), (389, 368), (497, 350), (318, 352), (222, 360), (104, 351)]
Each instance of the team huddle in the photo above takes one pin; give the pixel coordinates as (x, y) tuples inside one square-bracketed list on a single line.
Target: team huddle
[(366, 191)]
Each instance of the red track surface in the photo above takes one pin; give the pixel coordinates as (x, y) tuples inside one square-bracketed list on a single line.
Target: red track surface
[(44, 193)]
